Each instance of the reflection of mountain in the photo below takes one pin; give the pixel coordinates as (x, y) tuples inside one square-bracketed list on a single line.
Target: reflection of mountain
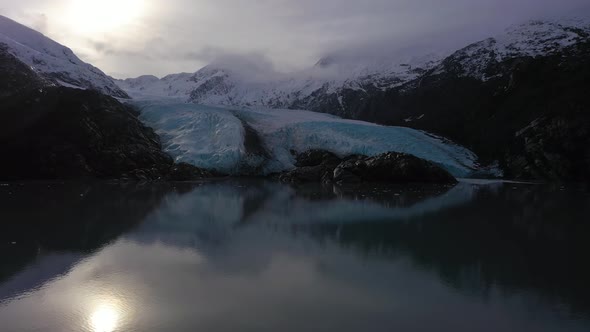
[(48, 228), (515, 238), (483, 240), (475, 237), (479, 239), (38, 271), (211, 212)]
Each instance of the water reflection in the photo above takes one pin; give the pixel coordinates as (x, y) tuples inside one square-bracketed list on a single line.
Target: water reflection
[(511, 238), (104, 319), (252, 255), (47, 228)]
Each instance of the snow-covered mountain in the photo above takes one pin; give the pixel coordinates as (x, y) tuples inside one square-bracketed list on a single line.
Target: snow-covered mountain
[(519, 98), (221, 84), (53, 61), (337, 84), (533, 39)]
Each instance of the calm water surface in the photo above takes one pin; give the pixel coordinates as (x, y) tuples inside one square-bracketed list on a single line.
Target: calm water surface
[(259, 256)]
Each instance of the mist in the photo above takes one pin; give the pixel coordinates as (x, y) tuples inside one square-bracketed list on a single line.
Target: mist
[(280, 35)]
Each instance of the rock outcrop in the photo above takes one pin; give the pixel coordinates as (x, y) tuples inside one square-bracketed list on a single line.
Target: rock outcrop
[(312, 166), (391, 167), (17, 76)]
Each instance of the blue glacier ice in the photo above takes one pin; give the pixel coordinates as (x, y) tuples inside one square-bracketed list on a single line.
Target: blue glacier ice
[(206, 137), (213, 137)]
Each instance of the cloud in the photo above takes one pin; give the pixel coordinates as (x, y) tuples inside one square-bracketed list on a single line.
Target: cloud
[(184, 35), (39, 23), (106, 48)]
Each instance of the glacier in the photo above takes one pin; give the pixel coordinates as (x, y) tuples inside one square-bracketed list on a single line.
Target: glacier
[(214, 138), (206, 137)]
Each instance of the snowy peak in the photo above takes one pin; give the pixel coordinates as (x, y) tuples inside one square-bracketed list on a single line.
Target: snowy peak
[(532, 39), (340, 83), (52, 60), (542, 37), (257, 85), (178, 86)]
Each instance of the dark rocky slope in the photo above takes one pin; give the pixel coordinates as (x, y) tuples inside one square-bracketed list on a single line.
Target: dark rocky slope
[(534, 117), (532, 114), (50, 132), (16, 76)]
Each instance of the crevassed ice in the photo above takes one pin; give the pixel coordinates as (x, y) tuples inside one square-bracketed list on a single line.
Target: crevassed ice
[(213, 138), (203, 136)]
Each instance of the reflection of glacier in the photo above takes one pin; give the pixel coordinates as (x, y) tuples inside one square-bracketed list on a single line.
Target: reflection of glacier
[(207, 215), (213, 138)]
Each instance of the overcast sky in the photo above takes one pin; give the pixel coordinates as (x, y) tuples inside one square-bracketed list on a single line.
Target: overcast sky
[(132, 37)]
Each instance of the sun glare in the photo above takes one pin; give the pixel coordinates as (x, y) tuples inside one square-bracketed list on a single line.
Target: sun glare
[(95, 16), (104, 319)]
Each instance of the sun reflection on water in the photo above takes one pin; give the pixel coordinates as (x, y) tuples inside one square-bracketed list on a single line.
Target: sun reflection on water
[(104, 319)]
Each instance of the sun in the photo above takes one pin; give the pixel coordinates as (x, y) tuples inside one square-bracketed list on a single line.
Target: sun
[(101, 16)]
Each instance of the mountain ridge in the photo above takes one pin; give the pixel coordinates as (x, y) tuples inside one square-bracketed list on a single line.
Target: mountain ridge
[(54, 62), (518, 100), (326, 84)]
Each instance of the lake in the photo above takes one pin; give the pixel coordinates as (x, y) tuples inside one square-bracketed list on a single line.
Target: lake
[(253, 255)]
